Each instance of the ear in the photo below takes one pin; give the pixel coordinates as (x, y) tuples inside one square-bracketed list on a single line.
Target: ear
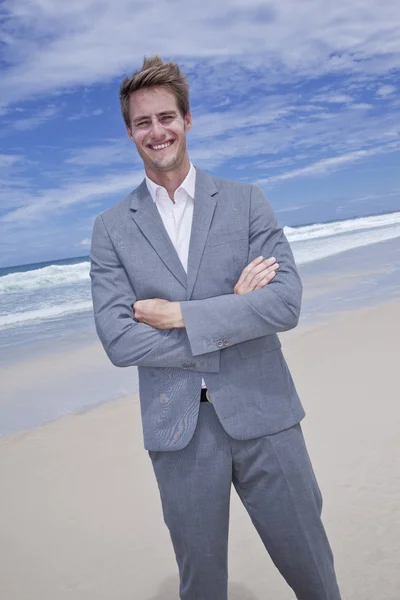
[(129, 132), (188, 121)]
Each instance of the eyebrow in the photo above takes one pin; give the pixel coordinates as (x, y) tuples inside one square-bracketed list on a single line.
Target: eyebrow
[(161, 114)]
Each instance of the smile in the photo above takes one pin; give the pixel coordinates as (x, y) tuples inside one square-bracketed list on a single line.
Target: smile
[(162, 146)]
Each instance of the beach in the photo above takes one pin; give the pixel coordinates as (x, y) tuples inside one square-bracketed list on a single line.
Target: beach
[(151, 153), (80, 515)]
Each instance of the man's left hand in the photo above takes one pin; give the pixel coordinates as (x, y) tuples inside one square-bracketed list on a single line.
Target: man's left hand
[(160, 314)]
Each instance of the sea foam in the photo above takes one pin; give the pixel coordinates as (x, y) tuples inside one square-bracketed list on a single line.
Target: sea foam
[(55, 291), (45, 313), (53, 275), (323, 230)]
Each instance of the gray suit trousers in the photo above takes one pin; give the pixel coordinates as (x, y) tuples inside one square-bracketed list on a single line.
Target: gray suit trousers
[(274, 479)]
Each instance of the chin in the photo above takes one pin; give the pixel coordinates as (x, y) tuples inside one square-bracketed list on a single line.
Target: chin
[(166, 165)]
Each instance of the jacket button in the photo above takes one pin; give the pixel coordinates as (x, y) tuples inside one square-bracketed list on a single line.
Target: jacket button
[(226, 342), (220, 344)]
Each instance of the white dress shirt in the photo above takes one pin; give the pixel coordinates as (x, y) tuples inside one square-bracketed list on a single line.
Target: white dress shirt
[(177, 215)]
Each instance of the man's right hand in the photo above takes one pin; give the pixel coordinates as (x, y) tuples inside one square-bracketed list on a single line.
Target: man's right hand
[(256, 275)]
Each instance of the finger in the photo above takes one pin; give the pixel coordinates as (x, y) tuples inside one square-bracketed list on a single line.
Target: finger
[(249, 283), (253, 264), (255, 267), (247, 275), (265, 281), (255, 261), (272, 268), (251, 270), (264, 273), (270, 261), (265, 277), (267, 263), (240, 289)]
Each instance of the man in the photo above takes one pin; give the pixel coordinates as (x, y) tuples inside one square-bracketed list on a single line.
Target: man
[(181, 289)]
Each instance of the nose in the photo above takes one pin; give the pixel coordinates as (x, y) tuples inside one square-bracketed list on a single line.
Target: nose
[(156, 130)]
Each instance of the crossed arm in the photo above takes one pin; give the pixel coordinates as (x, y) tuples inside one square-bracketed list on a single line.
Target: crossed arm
[(163, 314), (170, 334), (235, 318), (126, 341)]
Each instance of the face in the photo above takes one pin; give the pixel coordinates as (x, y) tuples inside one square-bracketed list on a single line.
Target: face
[(158, 130)]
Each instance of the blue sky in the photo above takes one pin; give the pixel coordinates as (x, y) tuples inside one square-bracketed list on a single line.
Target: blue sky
[(299, 97)]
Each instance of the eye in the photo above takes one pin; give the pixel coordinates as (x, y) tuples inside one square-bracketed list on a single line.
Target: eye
[(142, 124), (167, 118)]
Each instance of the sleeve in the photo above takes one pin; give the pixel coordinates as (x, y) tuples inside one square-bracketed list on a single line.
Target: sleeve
[(223, 321), (126, 341)]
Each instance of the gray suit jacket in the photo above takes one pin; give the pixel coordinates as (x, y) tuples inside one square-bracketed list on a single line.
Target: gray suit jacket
[(229, 340)]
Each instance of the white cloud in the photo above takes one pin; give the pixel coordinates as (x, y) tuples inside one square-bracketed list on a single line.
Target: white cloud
[(84, 114), (269, 137), (332, 164), (362, 106), (334, 98), (35, 119), (113, 151), (385, 90), (289, 209), (259, 66), (35, 207), (380, 196), (267, 133), (8, 160), (85, 243), (52, 46)]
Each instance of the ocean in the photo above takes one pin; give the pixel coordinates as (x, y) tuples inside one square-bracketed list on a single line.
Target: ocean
[(46, 311), (48, 299)]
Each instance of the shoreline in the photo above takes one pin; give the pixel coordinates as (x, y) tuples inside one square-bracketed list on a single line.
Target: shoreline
[(58, 394), (45, 378), (356, 277)]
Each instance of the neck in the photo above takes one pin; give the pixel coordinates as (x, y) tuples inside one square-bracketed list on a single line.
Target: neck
[(170, 180)]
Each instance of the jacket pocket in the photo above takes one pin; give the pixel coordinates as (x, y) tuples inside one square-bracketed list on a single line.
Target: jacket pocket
[(215, 239), (258, 345)]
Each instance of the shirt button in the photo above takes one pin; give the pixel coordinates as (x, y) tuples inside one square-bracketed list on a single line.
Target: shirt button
[(170, 215)]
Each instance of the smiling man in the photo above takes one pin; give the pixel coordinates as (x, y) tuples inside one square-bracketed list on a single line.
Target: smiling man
[(159, 131), (192, 279)]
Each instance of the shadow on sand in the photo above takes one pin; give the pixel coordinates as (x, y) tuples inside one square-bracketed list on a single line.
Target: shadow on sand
[(169, 591)]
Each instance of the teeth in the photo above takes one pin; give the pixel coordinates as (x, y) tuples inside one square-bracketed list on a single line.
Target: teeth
[(161, 146)]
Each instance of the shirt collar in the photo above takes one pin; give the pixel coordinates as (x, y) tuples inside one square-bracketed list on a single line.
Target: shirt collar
[(188, 184)]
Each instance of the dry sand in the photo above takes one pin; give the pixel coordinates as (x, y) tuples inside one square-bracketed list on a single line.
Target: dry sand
[(80, 516)]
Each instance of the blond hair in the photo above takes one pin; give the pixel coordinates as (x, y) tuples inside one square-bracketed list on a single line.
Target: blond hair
[(155, 72)]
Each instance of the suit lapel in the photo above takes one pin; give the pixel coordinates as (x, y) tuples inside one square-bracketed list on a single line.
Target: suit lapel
[(205, 201), (146, 216)]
